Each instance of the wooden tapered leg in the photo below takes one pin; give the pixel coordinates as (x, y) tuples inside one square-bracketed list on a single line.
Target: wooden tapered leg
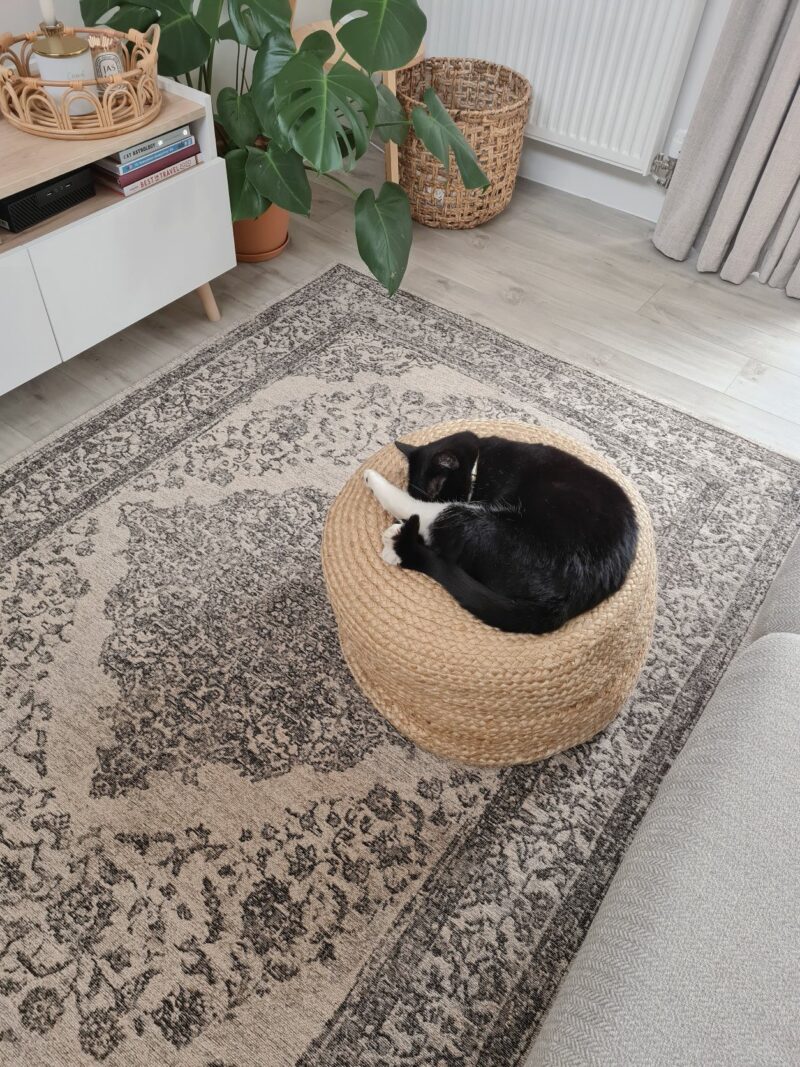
[(209, 303), (391, 157)]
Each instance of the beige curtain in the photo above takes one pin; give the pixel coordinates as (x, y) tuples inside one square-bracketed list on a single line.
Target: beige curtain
[(735, 193)]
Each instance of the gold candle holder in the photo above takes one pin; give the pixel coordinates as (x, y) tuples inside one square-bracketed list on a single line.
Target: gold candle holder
[(60, 58)]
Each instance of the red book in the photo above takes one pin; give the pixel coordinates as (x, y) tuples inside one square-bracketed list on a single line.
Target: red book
[(152, 168), (145, 183)]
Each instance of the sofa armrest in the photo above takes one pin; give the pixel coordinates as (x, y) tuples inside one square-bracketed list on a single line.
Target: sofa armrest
[(780, 611), (694, 955)]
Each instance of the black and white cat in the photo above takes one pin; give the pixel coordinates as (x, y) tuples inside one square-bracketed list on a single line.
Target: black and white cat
[(524, 536)]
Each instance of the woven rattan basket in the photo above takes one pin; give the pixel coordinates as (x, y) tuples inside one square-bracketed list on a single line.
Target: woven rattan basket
[(454, 685), (489, 103), (117, 104)]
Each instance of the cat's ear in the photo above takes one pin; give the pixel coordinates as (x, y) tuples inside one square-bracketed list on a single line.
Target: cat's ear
[(448, 460), (404, 448)]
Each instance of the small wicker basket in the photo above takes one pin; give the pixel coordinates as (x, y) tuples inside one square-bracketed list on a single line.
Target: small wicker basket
[(118, 104), (489, 103)]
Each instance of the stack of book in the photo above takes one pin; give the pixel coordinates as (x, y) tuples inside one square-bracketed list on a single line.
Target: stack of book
[(149, 162)]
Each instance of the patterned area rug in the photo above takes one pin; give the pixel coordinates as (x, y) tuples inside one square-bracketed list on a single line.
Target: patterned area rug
[(213, 851)]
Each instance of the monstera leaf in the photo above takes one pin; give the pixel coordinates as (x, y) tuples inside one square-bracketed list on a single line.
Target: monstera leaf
[(280, 177), (252, 20), (439, 134), (93, 10), (383, 233), (325, 115), (320, 43), (272, 56), (208, 15), (184, 44), (226, 32), (246, 201), (238, 117), (131, 16), (391, 123), (383, 35)]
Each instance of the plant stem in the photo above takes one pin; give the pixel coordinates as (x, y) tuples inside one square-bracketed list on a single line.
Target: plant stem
[(245, 86), (209, 71), (238, 61), (210, 65), (189, 80), (336, 181)]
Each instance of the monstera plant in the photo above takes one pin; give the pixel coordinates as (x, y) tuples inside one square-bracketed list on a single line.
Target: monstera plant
[(292, 111)]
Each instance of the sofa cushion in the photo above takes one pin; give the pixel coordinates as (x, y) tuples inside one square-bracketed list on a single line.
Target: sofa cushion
[(694, 955), (781, 608)]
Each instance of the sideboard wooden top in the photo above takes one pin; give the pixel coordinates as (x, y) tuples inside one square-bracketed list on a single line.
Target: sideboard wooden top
[(26, 159)]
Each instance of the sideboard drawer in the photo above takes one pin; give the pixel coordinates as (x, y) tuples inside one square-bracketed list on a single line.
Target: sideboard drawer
[(116, 266), (27, 345)]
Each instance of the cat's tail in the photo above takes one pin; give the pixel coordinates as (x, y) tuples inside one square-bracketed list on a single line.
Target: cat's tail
[(505, 613)]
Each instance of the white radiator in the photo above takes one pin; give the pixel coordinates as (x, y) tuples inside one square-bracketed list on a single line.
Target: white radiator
[(605, 73)]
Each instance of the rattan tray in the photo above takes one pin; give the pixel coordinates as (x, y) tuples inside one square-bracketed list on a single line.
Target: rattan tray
[(118, 104)]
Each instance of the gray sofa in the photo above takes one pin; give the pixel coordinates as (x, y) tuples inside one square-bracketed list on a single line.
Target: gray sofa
[(693, 958)]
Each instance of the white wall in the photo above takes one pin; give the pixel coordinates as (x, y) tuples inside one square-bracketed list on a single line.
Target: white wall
[(609, 185), (708, 33), (18, 16), (311, 11)]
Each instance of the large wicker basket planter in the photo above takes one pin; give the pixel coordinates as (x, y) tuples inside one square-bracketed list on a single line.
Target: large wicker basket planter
[(450, 683), (489, 103)]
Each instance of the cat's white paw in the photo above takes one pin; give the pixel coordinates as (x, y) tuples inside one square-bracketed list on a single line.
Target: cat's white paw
[(388, 555)]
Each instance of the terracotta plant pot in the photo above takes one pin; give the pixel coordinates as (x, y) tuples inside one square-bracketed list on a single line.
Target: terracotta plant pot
[(262, 238)]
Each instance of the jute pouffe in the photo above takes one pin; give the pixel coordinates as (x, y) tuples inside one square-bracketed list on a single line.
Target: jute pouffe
[(450, 683)]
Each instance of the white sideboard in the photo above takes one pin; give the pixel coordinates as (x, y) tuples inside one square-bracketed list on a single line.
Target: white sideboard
[(81, 276)]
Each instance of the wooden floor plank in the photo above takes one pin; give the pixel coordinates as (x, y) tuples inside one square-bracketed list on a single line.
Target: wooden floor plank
[(661, 384), (573, 278), (772, 390), (503, 280), (12, 442), (45, 404), (721, 318)]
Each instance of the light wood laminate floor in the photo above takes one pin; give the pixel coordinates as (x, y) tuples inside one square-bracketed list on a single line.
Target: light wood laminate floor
[(563, 274)]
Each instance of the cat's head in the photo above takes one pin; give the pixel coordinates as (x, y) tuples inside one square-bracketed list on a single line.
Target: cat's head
[(441, 470)]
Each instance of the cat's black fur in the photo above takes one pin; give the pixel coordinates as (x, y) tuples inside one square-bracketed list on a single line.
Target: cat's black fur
[(543, 537)]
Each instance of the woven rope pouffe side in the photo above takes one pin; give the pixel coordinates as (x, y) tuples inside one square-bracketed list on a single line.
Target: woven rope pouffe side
[(452, 684)]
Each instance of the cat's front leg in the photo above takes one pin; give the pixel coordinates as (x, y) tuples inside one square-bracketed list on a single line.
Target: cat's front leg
[(389, 553), (392, 499), (400, 504)]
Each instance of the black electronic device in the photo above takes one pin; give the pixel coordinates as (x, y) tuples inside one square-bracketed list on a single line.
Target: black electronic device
[(29, 206)]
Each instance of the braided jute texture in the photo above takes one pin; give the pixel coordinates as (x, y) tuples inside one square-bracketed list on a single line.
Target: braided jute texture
[(489, 103), (448, 682)]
